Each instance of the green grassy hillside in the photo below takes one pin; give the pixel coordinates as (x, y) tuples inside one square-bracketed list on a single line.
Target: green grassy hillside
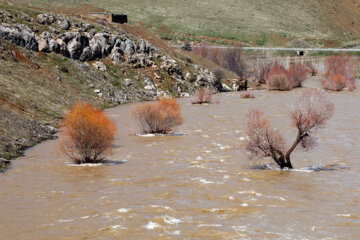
[(255, 22)]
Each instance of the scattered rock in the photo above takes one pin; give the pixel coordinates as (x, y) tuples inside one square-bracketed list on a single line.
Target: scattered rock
[(128, 82), (226, 88), (24, 17), (47, 19), (100, 66)]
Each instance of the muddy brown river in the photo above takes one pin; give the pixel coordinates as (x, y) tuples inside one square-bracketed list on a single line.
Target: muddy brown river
[(200, 185)]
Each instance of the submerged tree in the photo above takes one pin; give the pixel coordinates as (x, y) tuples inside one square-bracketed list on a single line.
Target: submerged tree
[(310, 113), (88, 134)]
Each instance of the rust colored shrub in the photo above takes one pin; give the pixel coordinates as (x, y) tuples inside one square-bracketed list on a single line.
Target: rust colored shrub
[(247, 95), (88, 134), (334, 82), (310, 113), (263, 67), (279, 79), (202, 95), (339, 74), (297, 72), (157, 117)]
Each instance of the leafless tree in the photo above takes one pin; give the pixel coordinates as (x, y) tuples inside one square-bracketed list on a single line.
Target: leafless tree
[(202, 95), (311, 112)]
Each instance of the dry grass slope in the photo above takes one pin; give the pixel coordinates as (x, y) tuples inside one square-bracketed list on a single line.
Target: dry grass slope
[(254, 22)]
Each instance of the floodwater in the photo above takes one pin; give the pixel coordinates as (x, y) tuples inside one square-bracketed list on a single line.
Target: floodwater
[(196, 186)]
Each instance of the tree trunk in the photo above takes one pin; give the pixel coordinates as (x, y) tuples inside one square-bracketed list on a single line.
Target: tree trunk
[(292, 148)]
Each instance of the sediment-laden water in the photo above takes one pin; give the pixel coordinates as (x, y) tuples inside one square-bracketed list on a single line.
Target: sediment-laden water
[(196, 186)]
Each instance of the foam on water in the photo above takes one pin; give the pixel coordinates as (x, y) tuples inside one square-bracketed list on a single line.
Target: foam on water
[(66, 220), (209, 225), (123, 210), (158, 206), (152, 225), (85, 164), (250, 192), (202, 180), (171, 220), (118, 227)]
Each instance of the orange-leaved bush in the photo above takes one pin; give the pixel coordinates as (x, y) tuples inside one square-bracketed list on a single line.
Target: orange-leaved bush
[(202, 95), (157, 117), (339, 74), (88, 134)]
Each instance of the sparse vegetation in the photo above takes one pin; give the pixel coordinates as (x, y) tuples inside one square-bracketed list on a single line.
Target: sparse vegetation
[(263, 67), (88, 134), (247, 95), (202, 95), (339, 74), (157, 117), (228, 58), (281, 79), (297, 72), (310, 113)]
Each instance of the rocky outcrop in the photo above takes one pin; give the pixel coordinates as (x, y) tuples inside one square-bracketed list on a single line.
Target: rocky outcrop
[(20, 35)]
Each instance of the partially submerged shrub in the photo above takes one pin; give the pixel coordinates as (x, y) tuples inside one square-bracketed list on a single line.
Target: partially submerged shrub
[(297, 72), (310, 113), (339, 74), (157, 117), (247, 95), (334, 82), (88, 134), (278, 79), (263, 67), (202, 95)]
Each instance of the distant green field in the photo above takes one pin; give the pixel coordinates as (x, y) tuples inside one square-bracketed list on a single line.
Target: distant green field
[(254, 22)]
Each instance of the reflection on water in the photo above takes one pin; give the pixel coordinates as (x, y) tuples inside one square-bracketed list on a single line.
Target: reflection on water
[(198, 185)]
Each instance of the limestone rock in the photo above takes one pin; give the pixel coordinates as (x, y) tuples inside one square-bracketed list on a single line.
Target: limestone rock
[(20, 35), (100, 66)]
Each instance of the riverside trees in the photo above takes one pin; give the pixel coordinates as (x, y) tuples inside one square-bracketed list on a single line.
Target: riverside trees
[(310, 113)]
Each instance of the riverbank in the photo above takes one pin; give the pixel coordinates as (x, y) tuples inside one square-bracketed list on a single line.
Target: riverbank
[(50, 61)]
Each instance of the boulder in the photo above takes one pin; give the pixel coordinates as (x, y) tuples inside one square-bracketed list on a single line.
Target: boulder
[(129, 47), (63, 47), (53, 46), (100, 45), (45, 19), (226, 88), (43, 45), (87, 54), (20, 35), (150, 86), (76, 46), (100, 66), (24, 17), (117, 55), (64, 23)]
